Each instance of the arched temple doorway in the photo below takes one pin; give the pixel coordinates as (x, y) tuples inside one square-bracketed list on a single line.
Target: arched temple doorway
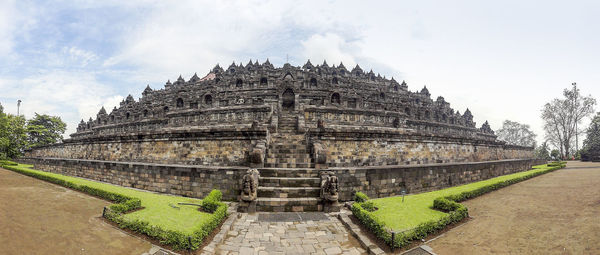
[(288, 100)]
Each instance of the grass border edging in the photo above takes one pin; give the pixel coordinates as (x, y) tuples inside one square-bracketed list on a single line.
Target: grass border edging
[(123, 204), (450, 204)]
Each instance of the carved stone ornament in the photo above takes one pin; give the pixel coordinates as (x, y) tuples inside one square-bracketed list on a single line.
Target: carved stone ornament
[(329, 186), (249, 185)]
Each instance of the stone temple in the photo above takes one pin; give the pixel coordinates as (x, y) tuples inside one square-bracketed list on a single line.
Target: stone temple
[(315, 135)]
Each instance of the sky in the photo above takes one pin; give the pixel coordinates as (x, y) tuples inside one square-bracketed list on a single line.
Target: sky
[(501, 59)]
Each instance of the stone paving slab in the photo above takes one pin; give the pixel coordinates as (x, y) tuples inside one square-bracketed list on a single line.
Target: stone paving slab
[(292, 216), (286, 233)]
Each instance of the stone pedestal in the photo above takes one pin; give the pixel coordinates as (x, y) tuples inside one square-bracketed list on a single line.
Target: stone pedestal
[(329, 207), (321, 166), (247, 207), (257, 165)]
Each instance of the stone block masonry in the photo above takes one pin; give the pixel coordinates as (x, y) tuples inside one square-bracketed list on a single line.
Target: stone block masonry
[(182, 180), (212, 147), (384, 181), (198, 181)]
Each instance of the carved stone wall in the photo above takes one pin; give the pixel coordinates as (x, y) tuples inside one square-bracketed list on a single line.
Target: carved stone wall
[(205, 147), (183, 180), (384, 181), (198, 181)]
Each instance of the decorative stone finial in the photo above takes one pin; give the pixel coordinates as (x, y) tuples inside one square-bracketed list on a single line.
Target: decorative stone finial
[(308, 65), (485, 128), (425, 91), (195, 78), (129, 99), (357, 70), (217, 69), (267, 64), (147, 90), (180, 80)]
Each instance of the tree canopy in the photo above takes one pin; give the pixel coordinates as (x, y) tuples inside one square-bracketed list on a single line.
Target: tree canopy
[(591, 144), (513, 132), (562, 116), (543, 151), (13, 138), (44, 129), (18, 134)]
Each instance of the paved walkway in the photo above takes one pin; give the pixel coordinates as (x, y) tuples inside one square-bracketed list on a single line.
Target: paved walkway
[(286, 233), (38, 217), (555, 213)]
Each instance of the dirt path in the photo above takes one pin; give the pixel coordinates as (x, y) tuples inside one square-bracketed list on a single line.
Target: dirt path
[(556, 213), (37, 217)]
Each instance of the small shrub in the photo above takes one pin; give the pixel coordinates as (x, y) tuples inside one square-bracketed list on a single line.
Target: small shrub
[(211, 202), (360, 197), (369, 206)]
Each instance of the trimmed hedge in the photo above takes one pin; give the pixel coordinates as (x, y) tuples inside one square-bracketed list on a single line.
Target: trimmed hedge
[(450, 204), (360, 197), (123, 204), (7, 163)]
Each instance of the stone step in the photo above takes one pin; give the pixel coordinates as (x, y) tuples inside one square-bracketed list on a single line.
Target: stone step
[(296, 148), (289, 192), (288, 161), (283, 154), (289, 182), (288, 204), (282, 139), (289, 172), (289, 165), (287, 155)]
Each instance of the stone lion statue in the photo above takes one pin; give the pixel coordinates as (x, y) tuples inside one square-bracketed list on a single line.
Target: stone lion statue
[(250, 185), (329, 186)]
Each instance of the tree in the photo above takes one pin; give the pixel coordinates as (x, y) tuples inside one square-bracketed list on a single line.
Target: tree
[(13, 139), (45, 129), (555, 154), (591, 144), (543, 151), (513, 132), (562, 116)]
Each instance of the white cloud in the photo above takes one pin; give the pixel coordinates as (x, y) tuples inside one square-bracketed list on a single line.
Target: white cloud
[(188, 37), (71, 95), (80, 56), (330, 47), (8, 20)]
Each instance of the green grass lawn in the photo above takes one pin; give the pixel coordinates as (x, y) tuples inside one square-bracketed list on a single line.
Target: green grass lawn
[(156, 210), (417, 209)]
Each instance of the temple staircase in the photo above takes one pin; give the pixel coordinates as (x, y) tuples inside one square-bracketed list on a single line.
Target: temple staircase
[(289, 190), (288, 183)]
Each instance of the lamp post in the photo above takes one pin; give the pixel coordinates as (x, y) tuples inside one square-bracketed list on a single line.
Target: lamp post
[(576, 131), (18, 106)]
